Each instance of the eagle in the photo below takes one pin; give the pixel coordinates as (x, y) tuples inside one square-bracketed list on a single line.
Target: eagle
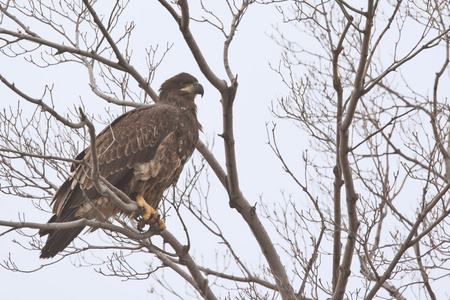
[(141, 153)]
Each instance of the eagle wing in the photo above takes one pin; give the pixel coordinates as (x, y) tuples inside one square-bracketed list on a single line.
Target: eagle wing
[(131, 139)]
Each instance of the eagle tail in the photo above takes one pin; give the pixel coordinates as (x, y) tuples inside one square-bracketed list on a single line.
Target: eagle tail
[(59, 239)]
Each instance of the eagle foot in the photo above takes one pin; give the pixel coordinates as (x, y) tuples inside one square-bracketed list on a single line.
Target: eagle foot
[(153, 220), (147, 215)]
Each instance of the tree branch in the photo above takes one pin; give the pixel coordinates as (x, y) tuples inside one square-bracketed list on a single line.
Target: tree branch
[(337, 171), (183, 22), (62, 48), (351, 195), (122, 62), (410, 241), (41, 104), (183, 254)]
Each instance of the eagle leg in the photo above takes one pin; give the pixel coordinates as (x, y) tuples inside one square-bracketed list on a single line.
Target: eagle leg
[(150, 216)]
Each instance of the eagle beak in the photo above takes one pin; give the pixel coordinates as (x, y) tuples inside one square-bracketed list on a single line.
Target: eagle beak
[(198, 89), (194, 88)]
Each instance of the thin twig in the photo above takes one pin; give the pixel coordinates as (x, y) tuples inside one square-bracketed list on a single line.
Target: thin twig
[(122, 62)]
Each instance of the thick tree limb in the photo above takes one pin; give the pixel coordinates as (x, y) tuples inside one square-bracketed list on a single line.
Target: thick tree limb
[(338, 182), (213, 163), (183, 22), (344, 146), (183, 254)]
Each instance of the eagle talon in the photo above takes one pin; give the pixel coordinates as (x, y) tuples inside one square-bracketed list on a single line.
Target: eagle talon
[(137, 215), (141, 224), (155, 219), (161, 224), (145, 210), (147, 215)]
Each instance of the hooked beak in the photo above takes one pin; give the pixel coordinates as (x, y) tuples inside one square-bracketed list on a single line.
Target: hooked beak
[(193, 88), (198, 89)]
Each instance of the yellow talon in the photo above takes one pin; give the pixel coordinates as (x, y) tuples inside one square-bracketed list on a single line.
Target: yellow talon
[(161, 224), (149, 211), (157, 218), (149, 214)]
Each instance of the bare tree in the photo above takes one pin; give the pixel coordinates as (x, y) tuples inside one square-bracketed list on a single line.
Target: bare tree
[(381, 136), (372, 205)]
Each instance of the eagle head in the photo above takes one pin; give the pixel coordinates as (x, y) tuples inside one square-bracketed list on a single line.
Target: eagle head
[(182, 87)]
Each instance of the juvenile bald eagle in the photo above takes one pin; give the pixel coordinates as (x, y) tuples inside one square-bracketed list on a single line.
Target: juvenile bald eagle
[(142, 153)]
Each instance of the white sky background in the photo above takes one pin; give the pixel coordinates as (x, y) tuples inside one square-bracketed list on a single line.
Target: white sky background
[(260, 173)]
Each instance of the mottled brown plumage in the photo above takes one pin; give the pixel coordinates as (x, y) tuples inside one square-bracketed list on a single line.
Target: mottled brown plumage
[(142, 152)]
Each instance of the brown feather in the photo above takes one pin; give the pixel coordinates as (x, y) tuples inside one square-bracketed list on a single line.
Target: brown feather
[(142, 152)]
